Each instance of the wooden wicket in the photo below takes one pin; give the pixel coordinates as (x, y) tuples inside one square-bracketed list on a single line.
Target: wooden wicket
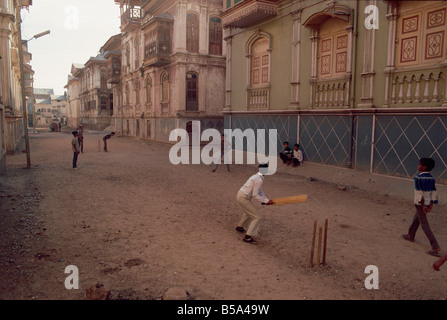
[(320, 233), (313, 244), (322, 243), (325, 241)]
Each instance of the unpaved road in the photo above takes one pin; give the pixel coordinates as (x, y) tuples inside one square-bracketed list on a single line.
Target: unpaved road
[(137, 224)]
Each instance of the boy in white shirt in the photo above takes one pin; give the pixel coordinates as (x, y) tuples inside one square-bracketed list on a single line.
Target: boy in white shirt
[(252, 188), (297, 155)]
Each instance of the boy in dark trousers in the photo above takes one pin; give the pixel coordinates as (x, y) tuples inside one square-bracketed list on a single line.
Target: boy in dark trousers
[(81, 137), (287, 154), (438, 263), (75, 148), (106, 137), (224, 145), (424, 198)]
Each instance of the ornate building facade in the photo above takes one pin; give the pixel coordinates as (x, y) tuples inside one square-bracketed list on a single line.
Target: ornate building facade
[(11, 104), (73, 93), (173, 67), (89, 89), (357, 86)]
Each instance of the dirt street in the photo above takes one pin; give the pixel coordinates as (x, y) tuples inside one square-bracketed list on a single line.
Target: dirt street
[(133, 222)]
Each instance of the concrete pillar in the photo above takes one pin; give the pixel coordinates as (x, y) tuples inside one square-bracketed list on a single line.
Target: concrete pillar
[(180, 87), (296, 47), (392, 17), (228, 74), (180, 29), (203, 76), (203, 33), (5, 61)]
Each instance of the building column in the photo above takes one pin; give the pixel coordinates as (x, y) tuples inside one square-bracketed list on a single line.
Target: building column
[(203, 33), (313, 75), (228, 74), (392, 17), (180, 29), (296, 46), (5, 61), (368, 72), (203, 76), (180, 87)]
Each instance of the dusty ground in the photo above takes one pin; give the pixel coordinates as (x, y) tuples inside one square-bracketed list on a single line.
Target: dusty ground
[(133, 222)]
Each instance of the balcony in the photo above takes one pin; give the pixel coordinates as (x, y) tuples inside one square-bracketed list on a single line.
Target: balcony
[(157, 48), (156, 54), (249, 12), (114, 76), (331, 93), (258, 98), (130, 19), (423, 87)]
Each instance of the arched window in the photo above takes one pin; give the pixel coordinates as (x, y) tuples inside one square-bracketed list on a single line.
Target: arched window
[(333, 49), (164, 87), (192, 33), (192, 97), (331, 34), (258, 52), (260, 63), (215, 36)]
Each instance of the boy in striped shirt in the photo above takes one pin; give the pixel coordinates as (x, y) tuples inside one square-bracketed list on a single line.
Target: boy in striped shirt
[(424, 198)]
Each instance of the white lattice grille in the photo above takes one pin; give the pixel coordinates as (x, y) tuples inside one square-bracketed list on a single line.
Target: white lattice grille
[(327, 139), (402, 140)]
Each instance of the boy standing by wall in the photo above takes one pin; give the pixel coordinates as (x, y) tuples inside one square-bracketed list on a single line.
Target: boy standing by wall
[(75, 148), (424, 198), (81, 137)]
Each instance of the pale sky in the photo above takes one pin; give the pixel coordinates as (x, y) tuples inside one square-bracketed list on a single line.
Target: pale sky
[(79, 28)]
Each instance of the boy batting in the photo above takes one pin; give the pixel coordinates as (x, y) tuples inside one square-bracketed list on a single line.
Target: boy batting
[(252, 189)]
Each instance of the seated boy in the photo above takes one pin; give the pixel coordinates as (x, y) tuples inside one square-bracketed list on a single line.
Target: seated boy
[(297, 155), (286, 155)]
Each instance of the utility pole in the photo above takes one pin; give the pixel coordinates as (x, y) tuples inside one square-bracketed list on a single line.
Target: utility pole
[(22, 84)]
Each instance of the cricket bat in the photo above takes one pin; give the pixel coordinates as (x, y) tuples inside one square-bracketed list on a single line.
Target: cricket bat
[(294, 199)]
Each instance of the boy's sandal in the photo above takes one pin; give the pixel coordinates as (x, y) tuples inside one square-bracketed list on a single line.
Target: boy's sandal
[(240, 229), (250, 240), (407, 237), (434, 253)]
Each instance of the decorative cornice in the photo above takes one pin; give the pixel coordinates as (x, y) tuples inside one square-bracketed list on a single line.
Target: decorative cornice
[(239, 13)]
